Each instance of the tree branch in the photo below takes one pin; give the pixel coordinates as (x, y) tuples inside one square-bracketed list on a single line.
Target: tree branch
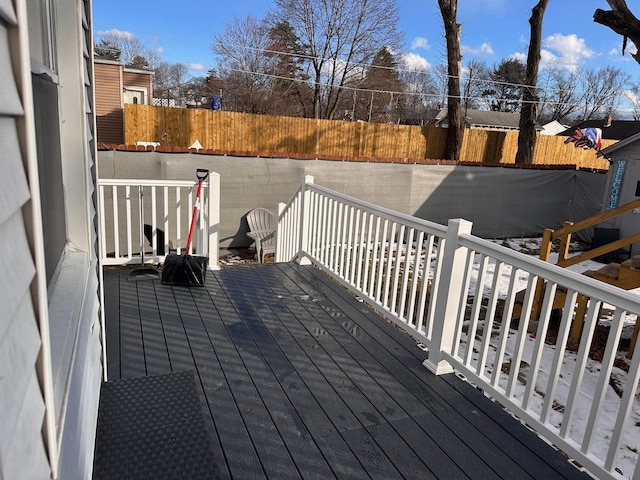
[(622, 21)]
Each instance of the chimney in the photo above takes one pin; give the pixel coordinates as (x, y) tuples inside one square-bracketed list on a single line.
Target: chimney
[(607, 121)]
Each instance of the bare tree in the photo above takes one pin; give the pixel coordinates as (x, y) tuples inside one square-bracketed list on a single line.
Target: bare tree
[(132, 50), (475, 78), (601, 91), (168, 79), (452, 29), (560, 97), (338, 38), (623, 22), (440, 79), (244, 63), (633, 96), (422, 97), (528, 112)]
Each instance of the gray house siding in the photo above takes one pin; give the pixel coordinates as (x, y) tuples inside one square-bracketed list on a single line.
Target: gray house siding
[(22, 449), (623, 186), (624, 191), (50, 286)]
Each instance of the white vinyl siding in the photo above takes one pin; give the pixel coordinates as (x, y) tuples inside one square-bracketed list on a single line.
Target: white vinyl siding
[(50, 348), (22, 449)]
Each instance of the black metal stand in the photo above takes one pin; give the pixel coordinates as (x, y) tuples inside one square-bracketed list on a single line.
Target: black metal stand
[(143, 273)]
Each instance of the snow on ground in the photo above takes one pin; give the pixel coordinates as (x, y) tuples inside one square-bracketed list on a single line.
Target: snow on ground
[(630, 445)]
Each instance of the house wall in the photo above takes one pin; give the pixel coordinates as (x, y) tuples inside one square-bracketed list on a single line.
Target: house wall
[(500, 201), (74, 299), (108, 93), (135, 78), (112, 78), (22, 450), (50, 349), (623, 183)]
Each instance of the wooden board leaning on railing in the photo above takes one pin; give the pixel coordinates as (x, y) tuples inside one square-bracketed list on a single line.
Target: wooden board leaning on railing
[(266, 134)]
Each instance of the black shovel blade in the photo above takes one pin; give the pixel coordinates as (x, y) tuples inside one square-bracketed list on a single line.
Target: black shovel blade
[(184, 270)]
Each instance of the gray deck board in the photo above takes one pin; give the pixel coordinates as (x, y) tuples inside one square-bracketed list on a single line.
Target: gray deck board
[(303, 381)]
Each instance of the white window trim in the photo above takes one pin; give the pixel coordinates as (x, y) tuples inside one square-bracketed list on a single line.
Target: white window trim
[(132, 88)]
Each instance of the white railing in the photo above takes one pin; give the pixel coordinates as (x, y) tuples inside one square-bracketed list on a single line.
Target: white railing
[(156, 215), (476, 307)]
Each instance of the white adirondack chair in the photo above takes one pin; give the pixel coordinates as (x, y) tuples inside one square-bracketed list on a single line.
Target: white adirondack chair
[(262, 230)]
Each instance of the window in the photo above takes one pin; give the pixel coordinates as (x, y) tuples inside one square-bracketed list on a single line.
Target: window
[(42, 33), (47, 121), (136, 95)]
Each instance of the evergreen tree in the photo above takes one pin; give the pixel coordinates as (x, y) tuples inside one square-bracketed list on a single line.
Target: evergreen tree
[(505, 92), (383, 80), (107, 50)]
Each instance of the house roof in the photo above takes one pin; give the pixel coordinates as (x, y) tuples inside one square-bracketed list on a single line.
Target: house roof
[(606, 152), (485, 119), (128, 68), (553, 128), (617, 130)]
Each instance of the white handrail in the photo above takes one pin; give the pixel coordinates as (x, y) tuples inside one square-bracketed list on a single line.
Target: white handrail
[(473, 303), (167, 208)]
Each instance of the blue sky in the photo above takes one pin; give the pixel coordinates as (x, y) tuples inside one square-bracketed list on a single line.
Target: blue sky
[(492, 30)]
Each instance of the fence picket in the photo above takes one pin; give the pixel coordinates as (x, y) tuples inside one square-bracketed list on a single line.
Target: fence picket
[(243, 132)]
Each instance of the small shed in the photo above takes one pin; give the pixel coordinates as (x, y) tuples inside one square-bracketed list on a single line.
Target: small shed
[(115, 85), (623, 185)]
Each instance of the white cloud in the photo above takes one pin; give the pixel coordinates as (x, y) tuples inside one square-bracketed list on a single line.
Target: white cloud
[(547, 59), (117, 33), (571, 50), (629, 95), (616, 53), (519, 56), (198, 67), (484, 49), (415, 62), (420, 42)]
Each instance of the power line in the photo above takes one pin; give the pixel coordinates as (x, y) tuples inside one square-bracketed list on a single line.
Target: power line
[(364, 66)]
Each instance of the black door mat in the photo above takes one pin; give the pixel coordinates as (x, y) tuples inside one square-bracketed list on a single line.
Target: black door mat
[(153, 428)]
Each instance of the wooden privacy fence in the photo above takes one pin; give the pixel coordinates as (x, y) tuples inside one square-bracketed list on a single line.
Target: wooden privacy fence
[(269, 135)]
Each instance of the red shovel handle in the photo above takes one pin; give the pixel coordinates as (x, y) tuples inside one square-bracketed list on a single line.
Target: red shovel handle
[(201, 174)]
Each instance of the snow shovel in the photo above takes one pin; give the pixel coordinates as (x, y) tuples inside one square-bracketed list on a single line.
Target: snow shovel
[(187, 270)]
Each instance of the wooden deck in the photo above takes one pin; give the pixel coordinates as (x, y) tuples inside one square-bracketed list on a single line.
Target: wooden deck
[(303, 381)]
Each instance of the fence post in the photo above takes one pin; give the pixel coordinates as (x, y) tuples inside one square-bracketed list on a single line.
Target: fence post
[(449, 297), (213, 213), (305, 221)]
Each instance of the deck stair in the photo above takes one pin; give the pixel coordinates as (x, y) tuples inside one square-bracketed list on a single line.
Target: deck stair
[(625, 275)]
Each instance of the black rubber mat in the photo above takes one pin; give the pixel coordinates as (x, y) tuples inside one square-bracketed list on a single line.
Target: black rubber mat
[(153, 428)]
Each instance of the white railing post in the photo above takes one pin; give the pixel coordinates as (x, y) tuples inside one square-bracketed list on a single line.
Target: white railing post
[(213, 215), (281, 231), (305, 222), (448, 298)]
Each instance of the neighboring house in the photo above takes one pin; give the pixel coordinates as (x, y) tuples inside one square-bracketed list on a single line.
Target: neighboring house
[(623, 185), (611, 129), (50, 287), (553, 128), (115, 85), (483, 119)]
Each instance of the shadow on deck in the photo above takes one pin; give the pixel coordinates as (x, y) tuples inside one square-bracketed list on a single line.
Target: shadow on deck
[(297, 379)]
